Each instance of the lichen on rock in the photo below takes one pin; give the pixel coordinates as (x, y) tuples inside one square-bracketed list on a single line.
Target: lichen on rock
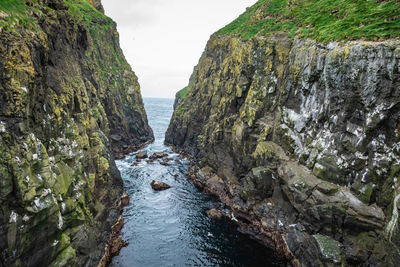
[(65, 89)]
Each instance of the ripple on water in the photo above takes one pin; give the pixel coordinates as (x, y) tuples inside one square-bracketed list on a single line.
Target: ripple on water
[(170, 228)]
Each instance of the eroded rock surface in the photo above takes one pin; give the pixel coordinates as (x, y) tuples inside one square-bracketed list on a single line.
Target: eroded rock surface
[(301, 138)]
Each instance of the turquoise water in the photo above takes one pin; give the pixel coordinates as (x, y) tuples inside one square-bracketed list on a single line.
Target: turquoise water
[(170, 228)]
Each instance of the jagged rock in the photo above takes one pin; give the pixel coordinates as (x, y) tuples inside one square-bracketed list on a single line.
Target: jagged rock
[(141, 155), (114, 245), (215, 214), (330, 249), (158, 155), (159, 186)]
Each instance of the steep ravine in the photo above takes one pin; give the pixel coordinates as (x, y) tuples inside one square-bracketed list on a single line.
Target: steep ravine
[(301, 140), (69, 103)]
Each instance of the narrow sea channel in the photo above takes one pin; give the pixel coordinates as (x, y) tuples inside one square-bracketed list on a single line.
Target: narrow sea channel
[(170, 228)]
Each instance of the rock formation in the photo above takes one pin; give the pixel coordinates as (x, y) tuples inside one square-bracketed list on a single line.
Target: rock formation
[(300, 137), (68, 101), (159, 186)]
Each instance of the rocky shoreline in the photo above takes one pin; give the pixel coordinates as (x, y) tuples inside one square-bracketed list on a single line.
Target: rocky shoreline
[(115, 243), (246, 222), (121, 153)]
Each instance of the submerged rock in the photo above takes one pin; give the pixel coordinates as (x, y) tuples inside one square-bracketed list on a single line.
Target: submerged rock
[(159, 186)]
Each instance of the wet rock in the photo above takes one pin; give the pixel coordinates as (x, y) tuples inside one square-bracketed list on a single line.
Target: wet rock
[(134, 164), (158, 155), (115, 244), (141, 155), (215, 214), (125, 200), (164, 163), (159, 186)]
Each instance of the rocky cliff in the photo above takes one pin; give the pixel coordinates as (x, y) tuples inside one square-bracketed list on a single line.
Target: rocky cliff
[(300, 137), (68, 101)]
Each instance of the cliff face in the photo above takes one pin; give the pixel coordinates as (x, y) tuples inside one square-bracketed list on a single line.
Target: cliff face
[(302, 140), (68, 101)]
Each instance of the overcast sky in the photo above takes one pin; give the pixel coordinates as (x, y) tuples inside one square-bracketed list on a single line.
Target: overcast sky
[(163, 40)]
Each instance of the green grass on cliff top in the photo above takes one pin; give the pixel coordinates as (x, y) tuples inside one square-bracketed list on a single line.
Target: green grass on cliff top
[(16, 13), (321, 20), (83, 10), (182, 93)]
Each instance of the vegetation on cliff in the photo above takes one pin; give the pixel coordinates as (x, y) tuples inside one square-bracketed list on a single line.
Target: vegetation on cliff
[(321, 20), (182, 93), (68, 100)]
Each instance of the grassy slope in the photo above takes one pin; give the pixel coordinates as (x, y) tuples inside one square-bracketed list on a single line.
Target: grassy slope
[(17, 14), (13, 13), (322, 20), (182, 93)]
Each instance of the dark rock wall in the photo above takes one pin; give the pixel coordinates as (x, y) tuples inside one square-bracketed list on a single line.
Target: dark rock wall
[(304, 137), (68, 100)]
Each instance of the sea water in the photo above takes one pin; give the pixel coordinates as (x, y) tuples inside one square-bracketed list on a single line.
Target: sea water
[(170, 228)]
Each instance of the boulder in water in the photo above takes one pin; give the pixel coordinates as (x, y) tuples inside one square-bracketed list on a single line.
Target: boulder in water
[(158, 186), (141, 155), (124, 200), (158, 155)]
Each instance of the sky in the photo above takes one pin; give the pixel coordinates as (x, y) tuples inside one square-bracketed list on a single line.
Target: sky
[(163, 40)]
